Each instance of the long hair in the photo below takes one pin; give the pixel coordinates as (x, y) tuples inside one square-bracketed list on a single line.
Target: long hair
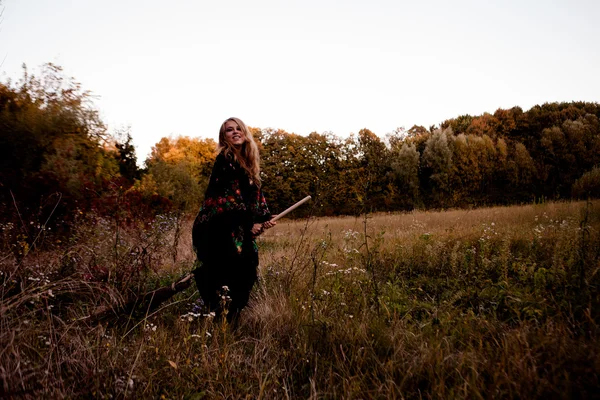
[(247, 155)]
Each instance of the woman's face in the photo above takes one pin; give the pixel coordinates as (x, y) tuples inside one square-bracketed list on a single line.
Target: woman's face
[(234, 134)]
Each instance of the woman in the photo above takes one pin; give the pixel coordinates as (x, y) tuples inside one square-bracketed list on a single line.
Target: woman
[(233, 214)]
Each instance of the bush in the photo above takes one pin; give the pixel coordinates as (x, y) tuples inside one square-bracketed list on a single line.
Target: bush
[(588, 185)]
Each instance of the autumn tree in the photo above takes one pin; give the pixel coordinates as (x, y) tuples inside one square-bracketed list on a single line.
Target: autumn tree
[(459, 124), (323, 153), (179, 169), (285, 171), (53, 146), (507, 121), (485, 124), (522, 173), (374, 183)]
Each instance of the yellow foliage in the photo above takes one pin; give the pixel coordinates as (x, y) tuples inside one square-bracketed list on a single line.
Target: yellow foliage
[(198, 154), (147, 185)]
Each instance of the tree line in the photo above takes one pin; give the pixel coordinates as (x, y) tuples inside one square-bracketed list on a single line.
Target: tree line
[(513, 156), (58, 161)]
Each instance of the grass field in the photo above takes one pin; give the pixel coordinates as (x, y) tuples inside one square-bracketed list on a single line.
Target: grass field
[(487, 303)]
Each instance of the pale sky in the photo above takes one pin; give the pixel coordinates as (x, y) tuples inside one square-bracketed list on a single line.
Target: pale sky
[(181, 67)]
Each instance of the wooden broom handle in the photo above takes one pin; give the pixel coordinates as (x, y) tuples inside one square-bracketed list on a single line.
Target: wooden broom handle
[(290, 209)]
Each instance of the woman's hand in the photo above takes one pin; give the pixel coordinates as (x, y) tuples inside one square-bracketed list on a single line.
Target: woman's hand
[(257, 229), (270, 224)]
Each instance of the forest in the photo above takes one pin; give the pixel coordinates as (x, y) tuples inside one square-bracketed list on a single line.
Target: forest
[(57, 156)]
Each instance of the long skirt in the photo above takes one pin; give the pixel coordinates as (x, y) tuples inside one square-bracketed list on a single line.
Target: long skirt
[(226, 284)]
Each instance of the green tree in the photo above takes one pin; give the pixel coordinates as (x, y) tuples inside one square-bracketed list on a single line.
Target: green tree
[(437, 162), (179, 169), (322, 155), (52, 141), (127, 159), (522, 173), (198, 154), (374, 182), (285, 169), (588, 185), (405, 165), (465, 177), (568, 150), (459, 124)]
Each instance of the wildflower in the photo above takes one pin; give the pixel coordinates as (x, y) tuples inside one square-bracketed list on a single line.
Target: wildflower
[(150, 327)]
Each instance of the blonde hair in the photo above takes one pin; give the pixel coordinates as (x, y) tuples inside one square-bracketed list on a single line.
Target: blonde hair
[(247, 156)]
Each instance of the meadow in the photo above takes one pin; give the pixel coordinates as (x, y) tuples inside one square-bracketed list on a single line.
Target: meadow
[(498, 302)]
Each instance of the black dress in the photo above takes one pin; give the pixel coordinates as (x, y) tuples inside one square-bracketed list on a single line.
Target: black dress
[(222, 236)]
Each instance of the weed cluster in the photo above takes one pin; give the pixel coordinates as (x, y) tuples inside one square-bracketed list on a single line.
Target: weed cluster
[(499, 302)]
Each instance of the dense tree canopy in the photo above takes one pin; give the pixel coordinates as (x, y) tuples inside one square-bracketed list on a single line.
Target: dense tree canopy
[(507, 157), (178, 169), (52, 145)]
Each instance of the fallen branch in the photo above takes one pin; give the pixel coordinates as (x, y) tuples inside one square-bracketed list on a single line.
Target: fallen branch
[(151, 300), (148, 302)]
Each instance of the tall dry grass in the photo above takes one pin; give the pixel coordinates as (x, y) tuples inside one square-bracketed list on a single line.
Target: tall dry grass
[(487, 303)]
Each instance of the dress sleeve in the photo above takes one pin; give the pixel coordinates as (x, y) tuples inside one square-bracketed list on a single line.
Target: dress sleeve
[(223, 193), (260, 210), (222, 212)]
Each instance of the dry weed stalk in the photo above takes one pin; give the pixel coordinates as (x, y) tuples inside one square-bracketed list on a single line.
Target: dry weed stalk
[(484, 303)]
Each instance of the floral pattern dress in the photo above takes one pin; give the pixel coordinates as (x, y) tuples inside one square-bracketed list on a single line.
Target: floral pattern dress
[(222, 237)]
